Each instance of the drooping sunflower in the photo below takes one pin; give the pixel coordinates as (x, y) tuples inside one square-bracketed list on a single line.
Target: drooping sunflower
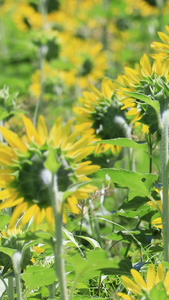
[(146, 79), (140, 287), (24, 180), (101, 115), (162, 49)]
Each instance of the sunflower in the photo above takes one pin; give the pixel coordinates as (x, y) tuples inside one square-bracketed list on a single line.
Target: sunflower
[(93, 63), (51, 79), (145, 7), (152, 81), (162, 49), (87, 57), (24, 180), (100, 115), (142, 287), (27, 18)]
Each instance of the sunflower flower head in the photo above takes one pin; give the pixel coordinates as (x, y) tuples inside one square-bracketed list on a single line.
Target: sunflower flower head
[(162, 49), (25, 180), (155, 281), (101, 115), (149, 80), (11, 239)]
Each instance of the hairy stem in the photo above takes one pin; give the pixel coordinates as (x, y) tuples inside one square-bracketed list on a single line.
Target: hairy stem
[(164, 171), (58, 244), (10, 289), (16, 260)]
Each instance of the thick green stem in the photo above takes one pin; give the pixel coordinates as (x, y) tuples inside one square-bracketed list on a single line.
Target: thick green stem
[(164, 170), (10, 288), (18, 286), (58, 245), (150, 151), (17, 257)]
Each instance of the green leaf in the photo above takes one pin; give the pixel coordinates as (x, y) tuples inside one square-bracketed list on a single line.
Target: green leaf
[(158, 292), (137, 182), (146, 99), (97, 261), (124, 142), (38, 237), (2, 286), (8, 251), (93, 242), (72, 239), (86, 298), (51, 162), (37, 276), (4, 220), (3, 113)]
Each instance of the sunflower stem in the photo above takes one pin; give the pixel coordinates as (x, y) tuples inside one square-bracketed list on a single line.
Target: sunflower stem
[(42, 8), (9, 287), (18, 286), (16, 260), (164, 170), (58, 244)]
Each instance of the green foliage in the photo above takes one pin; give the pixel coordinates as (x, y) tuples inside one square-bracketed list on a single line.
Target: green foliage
[(51, 51), (124, 142), (138, 183)]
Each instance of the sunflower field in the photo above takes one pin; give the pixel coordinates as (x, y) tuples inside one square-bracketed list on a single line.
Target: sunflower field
[(84, 149)]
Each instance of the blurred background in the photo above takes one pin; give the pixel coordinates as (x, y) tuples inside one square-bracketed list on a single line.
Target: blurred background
[(53, 50)]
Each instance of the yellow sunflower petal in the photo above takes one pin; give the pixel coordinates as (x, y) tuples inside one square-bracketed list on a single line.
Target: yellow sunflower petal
[(160, 274), (145, 64), (166, 282), (39, 216), (55, 134), (11, 201), (38, 250), (49, 217), (66, 131), (64, 216), (42, 130), (86, 170), (124, 296), (138, 278), (129, 284), (164, 37), (13, 140), (30, 130), (6, 193), (19, 209), (78, 146), (132, 112), (72, 201), (106, 89), (150, 277), (29, 214), (157, 67), (5, 180), (84, 153), (95, 91), (157, 222)]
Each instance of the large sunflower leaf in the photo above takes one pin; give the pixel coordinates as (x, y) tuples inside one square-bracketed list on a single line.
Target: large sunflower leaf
[(137, 182), (124, 142), (37, 276), (144, 98)]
